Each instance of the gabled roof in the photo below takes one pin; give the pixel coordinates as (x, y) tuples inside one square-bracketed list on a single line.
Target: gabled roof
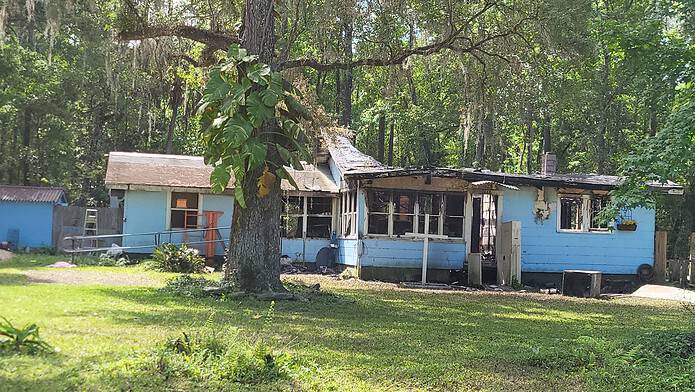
[(128, 170), (349, 159), (35, 194)]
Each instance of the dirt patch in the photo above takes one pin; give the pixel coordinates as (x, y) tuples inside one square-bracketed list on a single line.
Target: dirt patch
[(73, 277), (5, 255)]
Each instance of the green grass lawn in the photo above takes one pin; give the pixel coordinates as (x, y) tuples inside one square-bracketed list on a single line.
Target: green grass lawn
[(365, 336)]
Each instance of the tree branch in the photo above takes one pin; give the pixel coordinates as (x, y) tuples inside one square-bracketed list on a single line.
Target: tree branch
[(212, 39), (446, 43)]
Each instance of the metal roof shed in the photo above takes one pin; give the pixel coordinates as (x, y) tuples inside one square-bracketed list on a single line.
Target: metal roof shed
[(26, 215)]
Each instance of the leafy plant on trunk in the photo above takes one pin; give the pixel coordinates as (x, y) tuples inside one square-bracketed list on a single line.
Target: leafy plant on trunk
[(240, 96)]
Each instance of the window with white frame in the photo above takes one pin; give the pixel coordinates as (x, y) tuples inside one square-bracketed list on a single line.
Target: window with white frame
[(183, 211), (580, 213), (598, 203), (398, 212), (379, 207), (348, 210), (429, 203), (454, 217), (306, 214), (319, 217), (571, 215)]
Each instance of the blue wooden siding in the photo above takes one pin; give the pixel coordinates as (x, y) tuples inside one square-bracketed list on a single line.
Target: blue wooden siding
[(146, 211), (293, 247), (544, 249), (407, 253), (33, 220), (347, 252)]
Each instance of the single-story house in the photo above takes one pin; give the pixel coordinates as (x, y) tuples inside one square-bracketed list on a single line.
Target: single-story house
[(378, 214), (26, 215)]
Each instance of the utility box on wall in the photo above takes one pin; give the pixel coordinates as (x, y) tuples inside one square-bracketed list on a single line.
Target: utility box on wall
[(509, 257)]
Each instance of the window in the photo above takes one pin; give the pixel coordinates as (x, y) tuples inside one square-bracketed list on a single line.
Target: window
[(403, 212), (571, 213), (598, 203), (399, 212), (348, 208), (429, 203), (319, 217), (379, 207), (580, 213), (453, 220), (292, 220), (317, 212), (183, 211)]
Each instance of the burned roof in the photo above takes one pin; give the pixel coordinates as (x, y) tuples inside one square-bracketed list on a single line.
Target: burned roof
[(34, 194), (586, 181), (349, 159), (126, 170)]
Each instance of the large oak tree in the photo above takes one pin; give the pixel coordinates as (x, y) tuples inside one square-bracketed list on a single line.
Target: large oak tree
[(474, 29)]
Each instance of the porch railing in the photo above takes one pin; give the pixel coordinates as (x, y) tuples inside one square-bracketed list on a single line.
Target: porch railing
[(158, 237)]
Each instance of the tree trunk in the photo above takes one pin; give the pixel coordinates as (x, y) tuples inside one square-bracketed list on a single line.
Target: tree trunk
[(254, 250), (390, 159), (531, 136), (26, 141), (382, 137), (346, 95), (175, 103), (547, 141)]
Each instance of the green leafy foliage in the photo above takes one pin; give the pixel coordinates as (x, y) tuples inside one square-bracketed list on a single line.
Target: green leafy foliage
[(21, 340), (252, 124), (171, 258), (188, 286), (654, 361)]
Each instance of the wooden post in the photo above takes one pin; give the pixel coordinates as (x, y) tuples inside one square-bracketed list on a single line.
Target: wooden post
[(425, 249), (661, 239), (692, 259)]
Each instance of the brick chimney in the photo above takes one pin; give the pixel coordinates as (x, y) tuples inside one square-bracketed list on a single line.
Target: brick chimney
[(548, 164)]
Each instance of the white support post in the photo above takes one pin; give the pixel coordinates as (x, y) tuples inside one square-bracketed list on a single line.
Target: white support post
[(425, 249)]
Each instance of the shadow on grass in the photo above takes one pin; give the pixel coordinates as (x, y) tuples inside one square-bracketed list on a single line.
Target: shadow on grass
[(13, 279)]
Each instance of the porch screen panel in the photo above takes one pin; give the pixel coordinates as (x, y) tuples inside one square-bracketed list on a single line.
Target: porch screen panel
[(292, 217), (379, 203), (319, 217), (429, 203), (403, 212), (454, 215)]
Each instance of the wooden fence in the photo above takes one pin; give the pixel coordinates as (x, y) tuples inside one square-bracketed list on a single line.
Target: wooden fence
[(682, 271), (69, 221)]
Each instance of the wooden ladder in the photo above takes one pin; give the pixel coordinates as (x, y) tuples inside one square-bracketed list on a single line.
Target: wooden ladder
[(91, 225)]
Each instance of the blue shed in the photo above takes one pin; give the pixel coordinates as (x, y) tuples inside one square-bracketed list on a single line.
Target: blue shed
[(26, 215)]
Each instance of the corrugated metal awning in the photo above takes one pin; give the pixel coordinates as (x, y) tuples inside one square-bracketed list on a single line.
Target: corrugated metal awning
[(36, 194)]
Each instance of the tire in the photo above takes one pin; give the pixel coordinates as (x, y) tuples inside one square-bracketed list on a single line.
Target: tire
[(645, 273)]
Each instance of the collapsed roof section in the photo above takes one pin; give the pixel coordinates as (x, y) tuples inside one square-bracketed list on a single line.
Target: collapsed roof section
[(584, 181)]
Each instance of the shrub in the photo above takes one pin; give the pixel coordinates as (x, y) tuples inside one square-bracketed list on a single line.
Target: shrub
[(170, 258), (20, 340), (188, 286), (209, 358)]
